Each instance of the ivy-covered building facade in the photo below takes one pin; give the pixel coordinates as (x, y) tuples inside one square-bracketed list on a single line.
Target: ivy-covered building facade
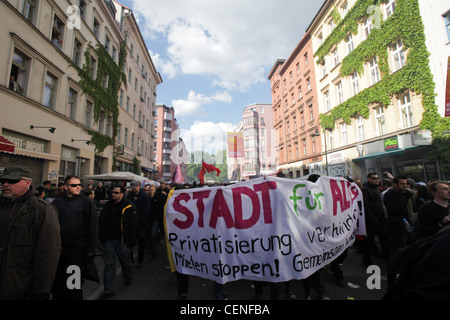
[(376, 92), (63, 88)]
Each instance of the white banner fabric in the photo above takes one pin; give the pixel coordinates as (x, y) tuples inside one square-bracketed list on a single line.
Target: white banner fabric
[(267, 229)]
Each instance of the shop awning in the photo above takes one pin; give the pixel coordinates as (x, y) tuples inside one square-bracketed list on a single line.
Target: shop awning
[(6, 145), (383, 154), (35, 154)]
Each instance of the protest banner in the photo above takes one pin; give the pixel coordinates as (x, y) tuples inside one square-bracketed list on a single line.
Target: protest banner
[(267, 229)]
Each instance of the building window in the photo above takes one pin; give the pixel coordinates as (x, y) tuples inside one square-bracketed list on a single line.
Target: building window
[(88, 114), (355, 83), (96, 28), (335, 56), (119, 133), (374, 71), (313, 140), (311, 113), (28, 9), (324, 69), (367, 27), (398, 55), (77, 52), (344, 134), (359, 129), (125, 138), (107, 43), (340, 92), (406, 111), (380, 121), (447, 24), (300, 92), (304, 147), (82, 7), (71, 110), (302, 117), (330, 140), (49, 91), (306, 58), (349, 42), (308, 84), (93, 68), (327, 101), (293, 98), (390, 8), (19, 72), (57, 32)]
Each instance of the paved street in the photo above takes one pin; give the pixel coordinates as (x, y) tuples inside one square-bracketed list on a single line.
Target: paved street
[(154, 281)]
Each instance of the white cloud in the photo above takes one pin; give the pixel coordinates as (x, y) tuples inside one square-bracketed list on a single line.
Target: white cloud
[(193, 104), (234, 41), (207, 136)]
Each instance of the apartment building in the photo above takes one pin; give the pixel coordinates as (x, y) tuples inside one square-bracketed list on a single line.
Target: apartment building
[(169, 148), (296, 113), (137, 98), (56, 126), (372, 88), (260, 159)]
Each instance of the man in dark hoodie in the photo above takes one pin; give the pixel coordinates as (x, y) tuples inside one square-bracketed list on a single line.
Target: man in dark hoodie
[(375, 220), (118, 224), (141, 201), (79, 223), (30, 242)]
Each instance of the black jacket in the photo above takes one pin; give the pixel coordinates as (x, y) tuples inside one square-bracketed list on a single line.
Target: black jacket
[(30, 248), (157, 204), (78, 221), (372, 204), (142, 204), (127, 229)]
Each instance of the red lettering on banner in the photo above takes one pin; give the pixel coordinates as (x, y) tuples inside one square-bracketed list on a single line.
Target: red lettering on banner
[(199, 196), (220, 209), (182, 209), (237, 201), (339, 196), (267, 205)]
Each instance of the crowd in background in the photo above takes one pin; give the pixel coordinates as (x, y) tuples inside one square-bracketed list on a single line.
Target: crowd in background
[(47, 229)]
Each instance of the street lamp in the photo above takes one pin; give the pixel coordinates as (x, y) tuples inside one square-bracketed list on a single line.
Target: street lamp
[(86, 141), (317, 134), (51, 129)]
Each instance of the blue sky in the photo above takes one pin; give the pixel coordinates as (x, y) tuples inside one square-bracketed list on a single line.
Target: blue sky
[(215, 55)]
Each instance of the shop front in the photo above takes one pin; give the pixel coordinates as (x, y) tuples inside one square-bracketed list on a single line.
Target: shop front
[(29, 152), (405, 155)]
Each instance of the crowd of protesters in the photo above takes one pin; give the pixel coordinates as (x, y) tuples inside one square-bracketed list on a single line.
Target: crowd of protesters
[(46, 230)]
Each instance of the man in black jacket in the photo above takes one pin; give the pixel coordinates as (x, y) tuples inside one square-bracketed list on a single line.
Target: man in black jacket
[(140, 199), (118, 224), (398, 203), (79, 223), (375, 221), (30, 243)]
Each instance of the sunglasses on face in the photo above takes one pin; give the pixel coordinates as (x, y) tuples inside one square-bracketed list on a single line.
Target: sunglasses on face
[(74, 185), (115, 192), (10, 181)]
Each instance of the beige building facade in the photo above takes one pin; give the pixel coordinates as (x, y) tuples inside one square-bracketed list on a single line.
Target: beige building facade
[(40, 42), (388, 136)]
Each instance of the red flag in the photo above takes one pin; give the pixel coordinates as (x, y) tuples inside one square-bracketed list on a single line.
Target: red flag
[(207, 168), (177, 175)]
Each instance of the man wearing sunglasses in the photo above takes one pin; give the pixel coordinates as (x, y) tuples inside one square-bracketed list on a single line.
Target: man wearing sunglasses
[(30, 242), (78, 220)]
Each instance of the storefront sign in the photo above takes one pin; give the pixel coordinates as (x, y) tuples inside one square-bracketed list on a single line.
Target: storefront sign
[(391, 144), (69, 154), (25, 142)]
